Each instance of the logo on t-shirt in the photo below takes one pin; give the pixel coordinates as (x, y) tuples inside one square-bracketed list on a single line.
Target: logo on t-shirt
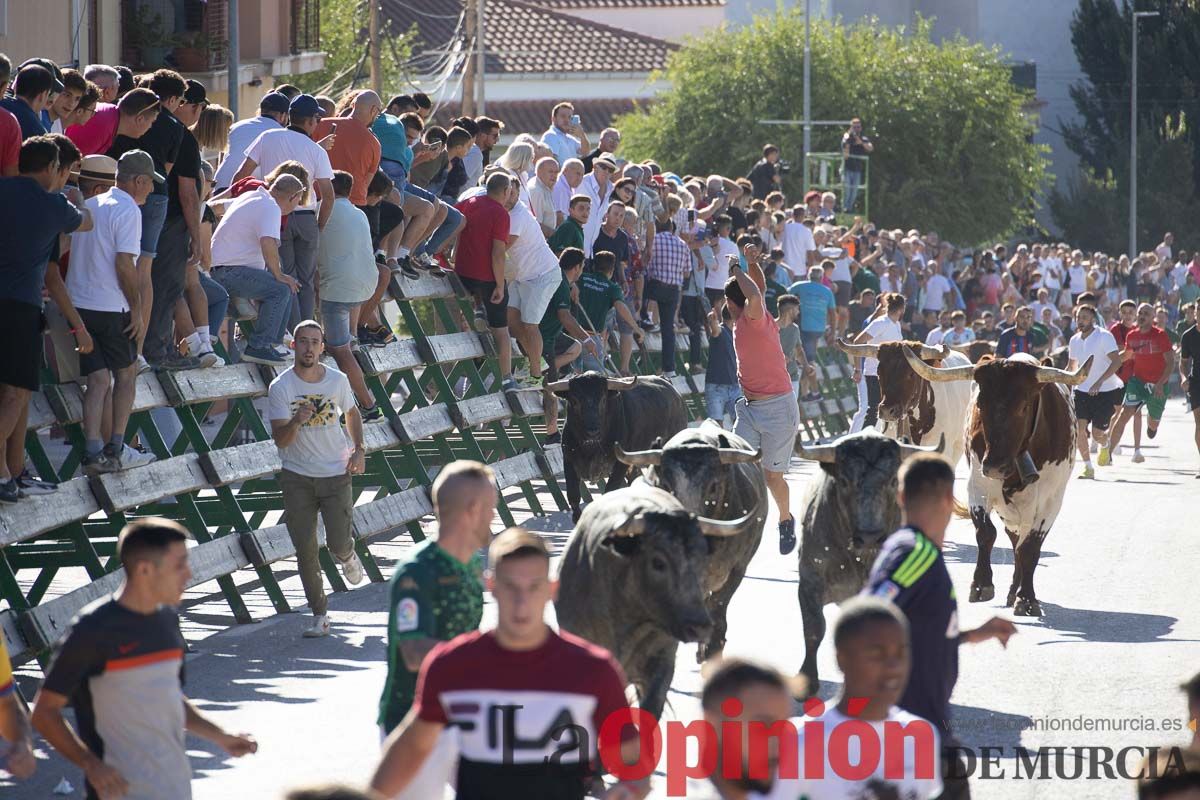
[(326, 411), (406, 615)]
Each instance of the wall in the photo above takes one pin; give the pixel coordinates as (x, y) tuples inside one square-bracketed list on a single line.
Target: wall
[(671, 24), (539, 88), (39, 29)]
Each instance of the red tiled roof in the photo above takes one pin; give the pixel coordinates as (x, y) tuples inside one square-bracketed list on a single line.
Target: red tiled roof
[(533, 116), (581, 4), (523, 38)]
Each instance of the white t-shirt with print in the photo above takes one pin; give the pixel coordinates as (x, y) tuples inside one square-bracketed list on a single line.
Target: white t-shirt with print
[(321, 448), (832, 786), (881, 329)]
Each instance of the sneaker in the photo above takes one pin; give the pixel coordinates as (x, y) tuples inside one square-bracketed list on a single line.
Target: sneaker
[(1089, 472), (100, 463), (647, 326), (9, 491), (383, 335), (370, 414), (318, 627), (1138, 458), (423, 261), (1118, 450), (143, 365), (406, 268), (787, 536), (1105, 458), (552, 438), (509, 384), (264, 356), (174, 363), (352, 570), (210, 359), (286, 355), (34, 487), (131, 457), (669, 375)]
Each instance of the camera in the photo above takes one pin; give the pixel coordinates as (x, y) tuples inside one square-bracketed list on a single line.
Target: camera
[(784, 167)]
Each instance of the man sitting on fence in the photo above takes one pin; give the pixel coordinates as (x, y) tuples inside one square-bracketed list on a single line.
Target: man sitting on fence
[(305, 405), (245, 254)]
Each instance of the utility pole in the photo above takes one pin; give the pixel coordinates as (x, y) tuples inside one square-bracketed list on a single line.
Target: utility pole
[(468, 81), (807, 91), (374, 44), (480, 64), (1133, 131), (231, 57)]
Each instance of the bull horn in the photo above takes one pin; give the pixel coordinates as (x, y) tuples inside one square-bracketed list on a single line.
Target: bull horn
[(723, 527), (557, 386), (939, 352), (938, 374), (858, 350), (825, 453), (733, 455), (638, 458), (1052, 375), (622, 384), (634, 526), (907, 450)]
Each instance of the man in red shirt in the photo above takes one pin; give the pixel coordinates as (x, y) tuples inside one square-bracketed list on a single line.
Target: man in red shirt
[(528, 703), (767, 414), (355, 148), (479, 261), (1153, 359), (10, 129), (1120, 330)]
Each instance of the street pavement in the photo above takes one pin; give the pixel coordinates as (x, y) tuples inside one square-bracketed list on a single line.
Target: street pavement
[(1101, 669)]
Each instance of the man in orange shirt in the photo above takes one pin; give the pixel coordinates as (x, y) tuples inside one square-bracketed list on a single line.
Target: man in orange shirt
[(355, 148)]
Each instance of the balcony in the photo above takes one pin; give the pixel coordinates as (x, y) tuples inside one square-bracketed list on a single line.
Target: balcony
[(184, 35)]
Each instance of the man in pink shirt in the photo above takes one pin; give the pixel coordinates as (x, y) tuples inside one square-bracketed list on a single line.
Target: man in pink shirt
[(97, 134), (767, 414)]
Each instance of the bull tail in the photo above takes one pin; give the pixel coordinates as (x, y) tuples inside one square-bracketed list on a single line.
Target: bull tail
[(960, 509)]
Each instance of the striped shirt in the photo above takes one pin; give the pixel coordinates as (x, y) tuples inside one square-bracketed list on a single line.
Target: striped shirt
[(670, 260)]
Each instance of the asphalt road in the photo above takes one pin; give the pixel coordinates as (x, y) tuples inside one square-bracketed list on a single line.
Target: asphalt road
[(1121, 630)]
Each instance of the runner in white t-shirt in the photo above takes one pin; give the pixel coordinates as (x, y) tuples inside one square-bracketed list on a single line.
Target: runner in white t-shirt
[(1098, 396), (872, 642), (884, 326)]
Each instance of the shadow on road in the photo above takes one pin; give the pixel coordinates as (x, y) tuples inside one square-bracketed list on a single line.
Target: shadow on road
[(983, 727), (1090, 625), (959, 553)]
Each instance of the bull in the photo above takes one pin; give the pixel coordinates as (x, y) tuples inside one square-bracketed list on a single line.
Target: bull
[(976, 350), (850, 509), (716, 473), (914, 409), (1018, 406), (632, 581), (603, 412)]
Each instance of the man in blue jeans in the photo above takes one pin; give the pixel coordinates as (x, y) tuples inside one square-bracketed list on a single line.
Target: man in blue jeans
[(670, 263), (721, 387), (245, 252)]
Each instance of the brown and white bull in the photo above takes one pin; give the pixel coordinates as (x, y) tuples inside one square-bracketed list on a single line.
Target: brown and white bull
[(1017, 406), (917, 410)]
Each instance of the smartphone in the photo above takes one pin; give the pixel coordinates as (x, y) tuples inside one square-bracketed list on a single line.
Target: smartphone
[(574, 119), (691, 215), (333, 127)]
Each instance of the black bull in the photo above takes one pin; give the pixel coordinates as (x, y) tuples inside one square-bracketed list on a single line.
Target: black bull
[(850, 509), (603, 412)]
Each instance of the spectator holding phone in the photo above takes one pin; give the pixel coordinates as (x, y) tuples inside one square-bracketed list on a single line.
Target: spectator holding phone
[(855, 149), (565, 136)]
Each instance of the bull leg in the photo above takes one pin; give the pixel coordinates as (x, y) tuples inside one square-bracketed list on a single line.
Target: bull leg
[(1016, 579), (1029, 550), (572, 480), (660, 672), (717, 605), (618, 478), (982, 589), (811, 593)]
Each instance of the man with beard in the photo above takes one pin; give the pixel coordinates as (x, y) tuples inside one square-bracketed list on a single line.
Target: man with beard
[(1096, 398)]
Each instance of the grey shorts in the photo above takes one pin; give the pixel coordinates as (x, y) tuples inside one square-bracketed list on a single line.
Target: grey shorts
[(770, 424)]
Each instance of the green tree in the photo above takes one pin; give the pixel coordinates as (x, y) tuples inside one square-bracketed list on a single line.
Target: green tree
[(953, 150), (344, 40)]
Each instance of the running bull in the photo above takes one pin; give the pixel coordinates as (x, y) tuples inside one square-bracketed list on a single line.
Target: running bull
[(1020, 409), (914, 409), (632, 581), (604, 412), (716, 473), (850, 509)]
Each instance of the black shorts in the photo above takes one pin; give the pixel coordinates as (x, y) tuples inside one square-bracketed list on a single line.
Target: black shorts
[(21, 327), (841, 291), (561, 345), (496, 313), (1098, 408), (113, 349), (1193, 392)]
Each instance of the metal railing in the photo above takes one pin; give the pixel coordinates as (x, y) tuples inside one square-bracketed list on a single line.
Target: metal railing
[(825, 172)]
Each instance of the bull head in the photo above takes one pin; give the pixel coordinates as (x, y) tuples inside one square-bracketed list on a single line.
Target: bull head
[(636, 526), (965, 373), (827, 453), (653, 458), (614, 385)]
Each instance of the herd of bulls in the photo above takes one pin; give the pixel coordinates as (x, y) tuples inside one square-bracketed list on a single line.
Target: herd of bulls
[(655, 563)]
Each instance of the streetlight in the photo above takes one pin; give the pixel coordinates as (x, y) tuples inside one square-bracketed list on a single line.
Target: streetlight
[(1133, 126)]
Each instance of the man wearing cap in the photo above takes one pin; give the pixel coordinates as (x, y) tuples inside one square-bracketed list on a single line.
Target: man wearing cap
[(35, 214), (597, 185), (531, 675), (102, 284), (272, 115), (298, 247), (33, 90)]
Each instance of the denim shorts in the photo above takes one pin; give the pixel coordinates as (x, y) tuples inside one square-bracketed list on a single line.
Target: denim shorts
[(154, 214), (808, 342), (335, 319), (720, 399)]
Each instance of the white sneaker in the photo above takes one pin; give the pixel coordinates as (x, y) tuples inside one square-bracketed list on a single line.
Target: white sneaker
[(318, 628), (143, 365), (352, 570), (210, 359), (1117, 450), (1138, 458), (131, 458)]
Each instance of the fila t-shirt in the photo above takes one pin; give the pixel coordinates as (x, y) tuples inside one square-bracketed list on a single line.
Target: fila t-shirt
[(123, 672), (528, 721)]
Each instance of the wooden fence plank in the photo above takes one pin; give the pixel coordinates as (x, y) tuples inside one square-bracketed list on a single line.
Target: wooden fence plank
[(32, 516), (372, 520)]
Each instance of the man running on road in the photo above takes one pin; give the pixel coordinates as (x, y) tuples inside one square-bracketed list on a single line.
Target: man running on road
[(1097, 397), (1153, 360), (1189, 371), (1120, 329)]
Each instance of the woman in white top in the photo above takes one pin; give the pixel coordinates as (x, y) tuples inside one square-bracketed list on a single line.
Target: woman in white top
[(882, 326), (518, 159)]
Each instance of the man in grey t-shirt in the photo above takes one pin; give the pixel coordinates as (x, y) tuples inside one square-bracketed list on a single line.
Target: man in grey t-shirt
[(305, 405)]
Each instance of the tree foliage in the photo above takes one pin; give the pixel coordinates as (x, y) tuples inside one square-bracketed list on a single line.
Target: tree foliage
[(344, 39), (953, 150)]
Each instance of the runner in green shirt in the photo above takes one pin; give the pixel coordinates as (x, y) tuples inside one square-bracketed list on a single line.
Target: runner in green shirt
[(436, 592)]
